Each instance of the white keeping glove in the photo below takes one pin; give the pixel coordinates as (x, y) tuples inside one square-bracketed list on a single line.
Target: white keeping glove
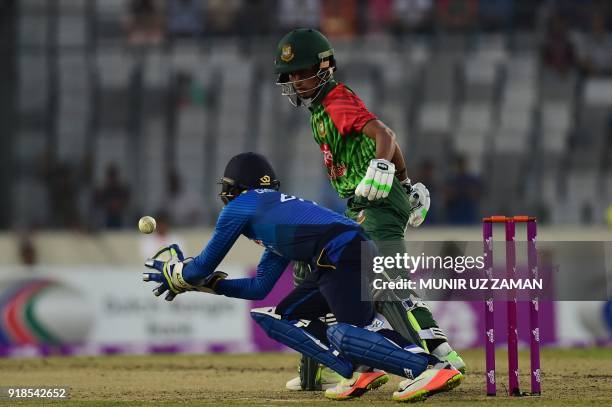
[(418, 196), (378, 180)]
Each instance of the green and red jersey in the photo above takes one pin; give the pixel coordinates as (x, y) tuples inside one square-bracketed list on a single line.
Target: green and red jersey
[(337, 120)]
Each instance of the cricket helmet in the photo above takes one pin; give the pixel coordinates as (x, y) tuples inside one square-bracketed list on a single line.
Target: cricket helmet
[(299, 49), (246, 171)]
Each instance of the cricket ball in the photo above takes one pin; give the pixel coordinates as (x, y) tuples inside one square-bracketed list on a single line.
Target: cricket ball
[(147, 224)]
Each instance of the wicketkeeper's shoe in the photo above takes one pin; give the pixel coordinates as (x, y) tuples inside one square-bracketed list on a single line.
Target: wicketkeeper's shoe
[(356, 386), (326, 377), (431, 381)]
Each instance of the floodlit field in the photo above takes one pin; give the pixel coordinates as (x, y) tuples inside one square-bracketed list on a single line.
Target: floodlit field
[(571, 377)]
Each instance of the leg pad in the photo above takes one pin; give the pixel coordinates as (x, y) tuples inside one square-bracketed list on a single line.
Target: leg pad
[(363, 347), (291, 334)]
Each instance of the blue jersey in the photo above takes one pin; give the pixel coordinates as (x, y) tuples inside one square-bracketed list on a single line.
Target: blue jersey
[(290, 228)]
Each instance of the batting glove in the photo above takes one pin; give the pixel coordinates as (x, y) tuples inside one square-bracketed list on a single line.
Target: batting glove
[(378, 180), (418, 196), (169, 274)]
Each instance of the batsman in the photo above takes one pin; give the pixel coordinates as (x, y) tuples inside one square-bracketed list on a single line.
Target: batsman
[(364, 164)]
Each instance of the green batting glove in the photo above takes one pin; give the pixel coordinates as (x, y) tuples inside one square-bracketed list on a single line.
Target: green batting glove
[(378, 180)]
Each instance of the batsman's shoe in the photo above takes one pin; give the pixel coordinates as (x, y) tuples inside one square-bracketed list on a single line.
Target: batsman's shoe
[(356, 386), (431, 381), (454, 359), (327, 379)]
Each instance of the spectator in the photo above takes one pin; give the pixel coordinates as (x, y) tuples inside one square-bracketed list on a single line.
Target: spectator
[(185, 18), (27, 253), (595, 51), (526, 13), (150, 244), (189, 91), (293, 14), (456, 14), (606, 154), (144, 23), (557, 51), (63, 189), (112, 198), (222, 15), (411, 15), (495, 14), (339, 18), (254, 19), (184, 206), (379, 15), (463, 192)]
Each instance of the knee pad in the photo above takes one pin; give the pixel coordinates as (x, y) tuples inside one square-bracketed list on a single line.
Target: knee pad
[(363, 347), (292, 334)]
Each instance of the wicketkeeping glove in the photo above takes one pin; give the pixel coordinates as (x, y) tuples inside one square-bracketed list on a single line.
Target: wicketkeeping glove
[(378, 180), (418, 196), (169, 274)]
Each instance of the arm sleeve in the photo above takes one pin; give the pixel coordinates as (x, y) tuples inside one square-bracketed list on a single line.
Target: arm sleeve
[(230, 225), (347, 111), (269, 270)]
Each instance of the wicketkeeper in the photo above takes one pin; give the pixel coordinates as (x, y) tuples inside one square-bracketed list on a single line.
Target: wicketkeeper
[(291, 228), (366, 165)]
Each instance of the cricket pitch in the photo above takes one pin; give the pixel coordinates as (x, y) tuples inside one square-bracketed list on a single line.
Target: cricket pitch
[(570, 377)]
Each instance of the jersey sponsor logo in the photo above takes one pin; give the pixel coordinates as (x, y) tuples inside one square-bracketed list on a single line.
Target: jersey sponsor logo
[(287, 53), (328, 157), (265, 180), (337, 171), (333, 170)]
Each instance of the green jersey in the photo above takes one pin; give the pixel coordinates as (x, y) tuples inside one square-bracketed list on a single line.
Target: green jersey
[(337, 120)]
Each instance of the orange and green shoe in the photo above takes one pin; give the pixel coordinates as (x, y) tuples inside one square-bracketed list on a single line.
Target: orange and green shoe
[(428, 383), (357, 385)]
